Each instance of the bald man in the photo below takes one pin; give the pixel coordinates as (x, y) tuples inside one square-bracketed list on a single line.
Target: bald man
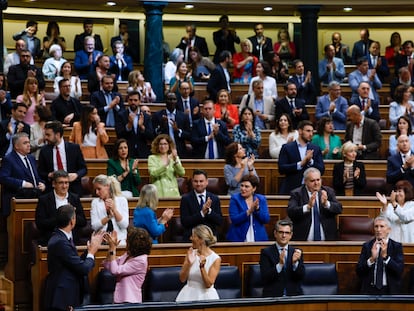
[(400, 166), (363, 132)]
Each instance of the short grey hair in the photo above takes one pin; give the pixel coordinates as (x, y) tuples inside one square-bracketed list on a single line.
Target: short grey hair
[(309, 171), (17, 136)]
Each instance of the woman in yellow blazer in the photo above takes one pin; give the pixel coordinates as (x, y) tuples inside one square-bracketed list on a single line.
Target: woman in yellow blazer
[(90, 134)]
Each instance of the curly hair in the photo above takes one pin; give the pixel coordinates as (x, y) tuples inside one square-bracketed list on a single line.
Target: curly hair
[(407, 188), (321, 125), (139, 242), (154, 145), (230, 152)]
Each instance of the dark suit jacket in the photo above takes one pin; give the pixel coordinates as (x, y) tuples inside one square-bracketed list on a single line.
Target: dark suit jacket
[(382, 71), (198, 141), (394, 172), (193, 104), (78, 43), (124, 71), (302, 221), (289, 156), (37, 49), (94, 84), (81, 63), (67, 278), (13, 172), (199, 42), (224, 43), (183, 123), (75, 164), (306, 92), (266, 48), (4, 142), (371, 137), (375, 115), (138, 143), (61, 108), (5, 107), (394, 268), (216, 82), (98, 100), (283, 106), (358, 50), (46, 216), (17, 76), (274, 282), (338, 184), (191, 217)]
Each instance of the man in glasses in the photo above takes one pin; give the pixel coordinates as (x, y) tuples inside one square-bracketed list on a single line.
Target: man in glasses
[(49, 203), (281, 265)]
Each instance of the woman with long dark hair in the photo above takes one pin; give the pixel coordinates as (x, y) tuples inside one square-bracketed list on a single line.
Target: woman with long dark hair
[(247, 133)]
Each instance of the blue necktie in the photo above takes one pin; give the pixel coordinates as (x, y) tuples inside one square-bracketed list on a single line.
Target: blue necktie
[(201, 201), (379, 271), (316, 223), (210, 144)]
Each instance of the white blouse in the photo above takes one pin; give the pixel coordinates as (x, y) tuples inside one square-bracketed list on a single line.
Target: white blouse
[(402, 222), (276, 141)]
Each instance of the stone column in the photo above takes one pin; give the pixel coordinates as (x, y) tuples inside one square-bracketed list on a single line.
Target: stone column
[(153, 55), (309, 41)]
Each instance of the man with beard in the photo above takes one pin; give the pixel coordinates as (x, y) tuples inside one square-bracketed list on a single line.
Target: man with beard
[(136, 127), (65, 108)]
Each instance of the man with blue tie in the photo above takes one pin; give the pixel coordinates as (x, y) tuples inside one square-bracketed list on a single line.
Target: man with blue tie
[(18, 173), (304, 83), (313, 209), (361, 47), (209, 136), (200, 206), (188, 104), (108, 102), (281, 265)]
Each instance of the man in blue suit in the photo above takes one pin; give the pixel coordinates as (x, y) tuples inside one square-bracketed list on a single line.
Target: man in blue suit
[(331, 68), (333, 105), (85, 60), (200, 206), (361, 47), (369, 107), (188, 104), (175, 123), (209, 136), (66, 283), (18, 173), (400, 166), (295, 157), (220, 77), (304, 83)]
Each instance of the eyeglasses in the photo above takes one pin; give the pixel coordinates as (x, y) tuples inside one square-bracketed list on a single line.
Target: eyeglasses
[(284, 232)]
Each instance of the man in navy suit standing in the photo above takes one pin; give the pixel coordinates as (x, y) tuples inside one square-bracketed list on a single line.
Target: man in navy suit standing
[(18, 173), (381, 262), (200, 206), (220, 77), (192, 40), (295, 157), (188, 104), (209, 136), (361, 47), (108, 102), (66, 282), (304, 83), (175, 123), (61, 155), (400, 166), (261, 45)]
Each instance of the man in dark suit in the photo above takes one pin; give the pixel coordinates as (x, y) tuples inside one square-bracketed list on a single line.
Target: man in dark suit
[(261, 44), (86, 58), (313, 208), (224, 39), (48, 204), (369, 139), (369, 107), (130, 43), (200, 206), (18, 74), (378, 62), (188, 104), (292, 105), (295, 157), (11, 126), (65, 108), (400, 166), (175, 123), (103, 65), (406, 59), (87, 31), (66, 283), (361, 47), (281, 265), (220, 77), (381, 262), (136, 127), (108, 102), (209, 136), (18, 173), (304, 83), (61, 155), (192, 40)]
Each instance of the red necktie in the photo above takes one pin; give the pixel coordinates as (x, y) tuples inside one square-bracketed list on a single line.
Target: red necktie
[(58, 159)]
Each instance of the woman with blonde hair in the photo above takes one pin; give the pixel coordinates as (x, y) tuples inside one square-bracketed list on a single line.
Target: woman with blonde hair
[(164, 166), (31, 98), (349, 175), (109, 211), (244, 63), (90, 134), (200, 268), (136, 82), (145, 213)]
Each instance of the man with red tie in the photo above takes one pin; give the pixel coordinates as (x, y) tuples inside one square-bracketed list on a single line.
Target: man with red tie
[(60, 155), (369, 107)]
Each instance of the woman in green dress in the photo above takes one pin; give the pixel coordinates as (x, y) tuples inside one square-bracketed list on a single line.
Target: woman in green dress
[(325, 138)]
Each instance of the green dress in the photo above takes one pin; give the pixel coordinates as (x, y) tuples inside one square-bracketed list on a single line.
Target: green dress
[(131, 181)]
